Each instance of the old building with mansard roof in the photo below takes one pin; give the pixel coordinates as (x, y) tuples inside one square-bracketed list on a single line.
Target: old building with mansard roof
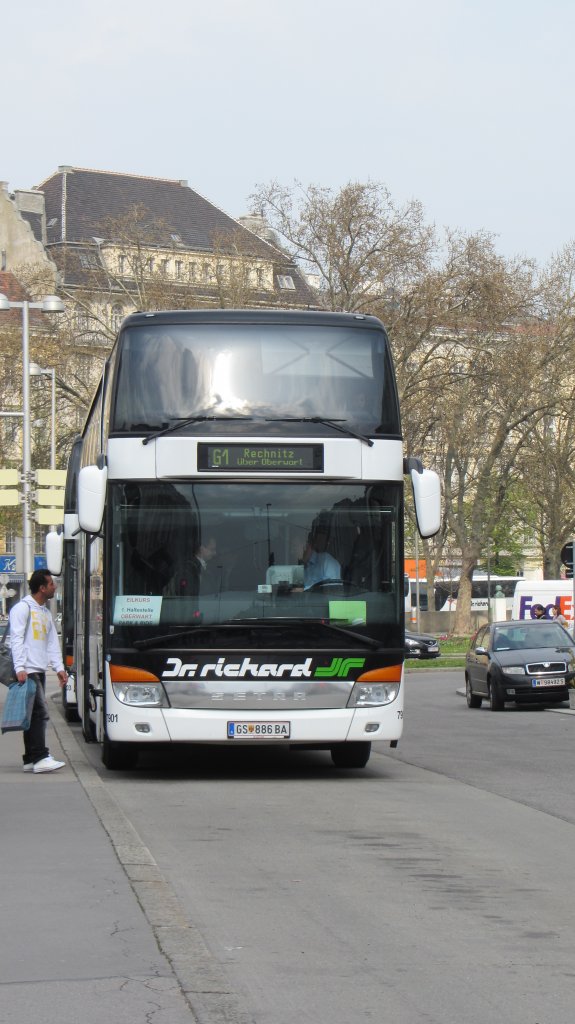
[(123, 242)]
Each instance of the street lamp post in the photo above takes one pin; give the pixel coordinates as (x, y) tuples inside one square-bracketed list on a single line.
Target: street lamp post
[(50, 304), (38, 371)]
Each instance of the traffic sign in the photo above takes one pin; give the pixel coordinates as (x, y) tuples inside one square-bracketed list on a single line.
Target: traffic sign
[(9, 477), (8, 496)]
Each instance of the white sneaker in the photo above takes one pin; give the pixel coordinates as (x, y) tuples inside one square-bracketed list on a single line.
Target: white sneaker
[(28, 767), (48, 764)]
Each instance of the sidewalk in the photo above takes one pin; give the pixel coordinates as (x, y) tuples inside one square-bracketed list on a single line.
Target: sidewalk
[(75, 943)]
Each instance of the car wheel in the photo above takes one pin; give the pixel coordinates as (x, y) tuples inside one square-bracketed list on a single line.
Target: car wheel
[(473, 701), (495, 698)]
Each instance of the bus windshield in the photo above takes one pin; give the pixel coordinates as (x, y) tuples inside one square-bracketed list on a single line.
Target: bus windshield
[(186, 556), (242, 372)]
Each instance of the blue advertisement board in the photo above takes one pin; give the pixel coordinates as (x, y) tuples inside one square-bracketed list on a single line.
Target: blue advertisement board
[(8, 563)]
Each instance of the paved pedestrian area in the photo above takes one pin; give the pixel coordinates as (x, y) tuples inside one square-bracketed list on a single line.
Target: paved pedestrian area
[(75, 944)]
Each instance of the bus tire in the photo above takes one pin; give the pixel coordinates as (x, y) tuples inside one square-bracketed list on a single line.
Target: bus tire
[(119, 756), (350, 755), (71, 713), (70, 710), (89, 731), (473, 700)]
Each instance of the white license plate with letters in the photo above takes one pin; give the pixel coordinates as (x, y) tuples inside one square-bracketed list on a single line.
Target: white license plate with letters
[(258, 730), (552, 681)]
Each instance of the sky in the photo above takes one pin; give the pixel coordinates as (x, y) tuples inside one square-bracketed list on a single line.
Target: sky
[(464, 105)]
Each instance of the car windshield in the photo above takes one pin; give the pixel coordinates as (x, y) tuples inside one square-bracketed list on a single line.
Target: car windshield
[(530, 635)]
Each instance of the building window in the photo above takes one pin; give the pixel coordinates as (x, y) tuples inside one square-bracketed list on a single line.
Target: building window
[(117, 317), (192, 273), (122, 265), (259, 277), (89, 261), (287, 282), (165, 265), (83, 320), (150, 265), (179, 267)]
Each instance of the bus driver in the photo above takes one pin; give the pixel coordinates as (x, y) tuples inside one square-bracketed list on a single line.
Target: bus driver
[(319, 565)]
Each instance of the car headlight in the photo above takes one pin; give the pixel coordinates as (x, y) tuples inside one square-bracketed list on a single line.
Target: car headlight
[(514, 670), (369, 695), (151, 695)]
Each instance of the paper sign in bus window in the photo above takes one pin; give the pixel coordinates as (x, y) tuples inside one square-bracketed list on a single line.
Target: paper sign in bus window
[(137, 609), (348, 613)]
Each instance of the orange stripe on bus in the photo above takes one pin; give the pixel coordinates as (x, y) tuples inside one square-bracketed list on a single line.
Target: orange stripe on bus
[(390, 674), (128, 674)]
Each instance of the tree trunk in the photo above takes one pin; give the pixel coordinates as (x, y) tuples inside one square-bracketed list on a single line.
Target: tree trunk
[(463, 625)]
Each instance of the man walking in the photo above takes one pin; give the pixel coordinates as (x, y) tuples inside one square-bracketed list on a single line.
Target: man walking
[(35, 647)]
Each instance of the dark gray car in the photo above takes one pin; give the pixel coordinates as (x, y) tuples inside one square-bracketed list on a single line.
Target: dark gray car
[(529, 662)]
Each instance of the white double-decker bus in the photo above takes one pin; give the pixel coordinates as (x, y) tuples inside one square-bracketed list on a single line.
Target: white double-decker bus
[(238, 542)]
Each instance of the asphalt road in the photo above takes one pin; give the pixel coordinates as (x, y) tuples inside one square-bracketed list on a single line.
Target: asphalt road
[(431, 888)]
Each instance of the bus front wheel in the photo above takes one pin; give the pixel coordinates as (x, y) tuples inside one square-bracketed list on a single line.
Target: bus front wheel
[(350, 755), (119, 756)]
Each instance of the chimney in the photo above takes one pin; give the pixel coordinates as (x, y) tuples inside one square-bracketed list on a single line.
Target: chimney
[(30, 201)]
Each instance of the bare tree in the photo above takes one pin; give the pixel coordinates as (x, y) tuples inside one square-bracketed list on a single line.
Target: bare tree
[(363, 247)]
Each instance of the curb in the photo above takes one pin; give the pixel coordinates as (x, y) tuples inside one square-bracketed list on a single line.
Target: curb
[(200, 976)]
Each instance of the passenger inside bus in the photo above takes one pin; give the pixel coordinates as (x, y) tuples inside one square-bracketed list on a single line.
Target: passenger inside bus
[(194, 574)]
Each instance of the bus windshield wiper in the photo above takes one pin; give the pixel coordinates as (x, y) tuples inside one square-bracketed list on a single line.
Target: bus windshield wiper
[(151, 641), (186, 421), (367, 640), (336, 424), (281, 621)]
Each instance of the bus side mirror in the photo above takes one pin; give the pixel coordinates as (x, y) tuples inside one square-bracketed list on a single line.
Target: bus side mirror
[(54, 552), (92, 483), (427, 498)]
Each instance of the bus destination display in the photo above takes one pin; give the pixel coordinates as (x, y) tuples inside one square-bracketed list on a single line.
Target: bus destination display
[(260, 458)]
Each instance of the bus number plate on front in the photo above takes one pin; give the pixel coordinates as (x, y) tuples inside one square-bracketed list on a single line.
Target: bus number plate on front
[(258, 730)]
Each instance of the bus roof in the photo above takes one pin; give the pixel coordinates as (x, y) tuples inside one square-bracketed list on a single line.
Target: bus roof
[(255, 316)]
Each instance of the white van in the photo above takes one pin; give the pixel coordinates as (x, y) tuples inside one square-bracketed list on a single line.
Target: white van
[(545, 592)]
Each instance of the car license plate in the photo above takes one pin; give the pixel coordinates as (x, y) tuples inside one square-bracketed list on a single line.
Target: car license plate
[(552, 681), (258, 730)]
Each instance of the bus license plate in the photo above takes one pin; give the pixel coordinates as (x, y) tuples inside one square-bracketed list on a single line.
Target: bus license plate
[(552, 681), (258, 730)]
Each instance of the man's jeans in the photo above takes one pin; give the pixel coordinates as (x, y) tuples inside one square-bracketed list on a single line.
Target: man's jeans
[(35, 737)]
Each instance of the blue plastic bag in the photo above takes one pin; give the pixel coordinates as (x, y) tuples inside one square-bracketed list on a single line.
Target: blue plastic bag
[(18, 706)]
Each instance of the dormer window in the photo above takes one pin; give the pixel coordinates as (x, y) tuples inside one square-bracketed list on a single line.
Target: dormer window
[(89, 261), (286, 281)]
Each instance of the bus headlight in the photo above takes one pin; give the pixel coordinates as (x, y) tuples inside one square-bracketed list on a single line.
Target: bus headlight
[(151, 695), (369, 695)]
